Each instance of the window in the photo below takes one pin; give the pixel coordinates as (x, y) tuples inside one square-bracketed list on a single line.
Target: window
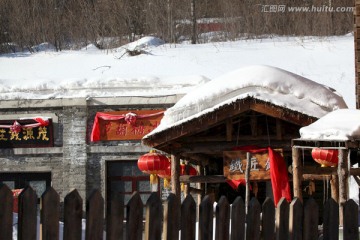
[(39, 181)]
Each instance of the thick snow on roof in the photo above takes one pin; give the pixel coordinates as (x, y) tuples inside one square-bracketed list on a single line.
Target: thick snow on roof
[(165, 69), (342, 124), (266, 83)]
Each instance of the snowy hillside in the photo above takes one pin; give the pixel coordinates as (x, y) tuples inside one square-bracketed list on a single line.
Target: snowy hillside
[(164, 69)]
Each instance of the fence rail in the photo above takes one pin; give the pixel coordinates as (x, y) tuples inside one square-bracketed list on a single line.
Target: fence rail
[(165, 220)]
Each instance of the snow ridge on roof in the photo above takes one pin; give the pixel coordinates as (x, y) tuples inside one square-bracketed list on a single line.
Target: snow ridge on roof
[(270, 84), (342, 124)]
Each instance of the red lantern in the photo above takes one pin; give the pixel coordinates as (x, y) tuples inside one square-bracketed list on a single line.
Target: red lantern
[(166, 174), (325, 157), (153, 163)]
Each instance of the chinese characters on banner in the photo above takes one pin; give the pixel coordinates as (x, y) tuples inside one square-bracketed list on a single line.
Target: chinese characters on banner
[(235, 165), (133, 126), (22, 134)]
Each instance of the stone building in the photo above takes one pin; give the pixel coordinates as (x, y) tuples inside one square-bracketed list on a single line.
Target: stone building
[(69, 159)]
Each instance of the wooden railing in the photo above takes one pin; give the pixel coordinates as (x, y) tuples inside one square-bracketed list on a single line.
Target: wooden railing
[(165, 220)]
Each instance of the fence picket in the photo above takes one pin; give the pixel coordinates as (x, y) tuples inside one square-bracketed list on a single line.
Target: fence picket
[(153, 219), (171, 218), (351, 229), (253, 220), (206, 218), (296, 220), (268, 219), (311, 220), (331, 220), (72, 215), (188, 218), (134, 216), (282, 220), (94, 216), (27, 219), (115, 218), (6, 207), (222, 214), (50, 215), (238, 219)]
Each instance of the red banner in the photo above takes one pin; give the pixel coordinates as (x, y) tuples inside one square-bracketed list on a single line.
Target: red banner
[(125, 125)]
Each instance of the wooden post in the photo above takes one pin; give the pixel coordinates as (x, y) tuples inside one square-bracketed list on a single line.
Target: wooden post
[(175, 176), (343, 174), (247, 180), (297, 173)]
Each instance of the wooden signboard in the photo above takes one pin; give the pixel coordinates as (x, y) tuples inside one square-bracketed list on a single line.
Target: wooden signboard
[(235, 165), (26, 137), (120, 129)]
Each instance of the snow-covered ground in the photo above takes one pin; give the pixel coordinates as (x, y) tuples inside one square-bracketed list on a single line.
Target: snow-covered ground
[(172, 68)]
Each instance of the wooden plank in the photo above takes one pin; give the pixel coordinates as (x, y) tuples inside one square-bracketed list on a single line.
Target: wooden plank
[(351, 229), (73, 215), (50, 215), (188, 218), (6, 207), (238, 219), (203, 179), (153, 217), (343, 174), (134, 216), (206, 213), (282, 220), (331, 220), (296, 220), (268, 219), (311, 220), (253, 220), (222, 223), (297, 173), (27, 218), (94, 216), (115, 217), (175, 175), (171, 223), (229, 130)]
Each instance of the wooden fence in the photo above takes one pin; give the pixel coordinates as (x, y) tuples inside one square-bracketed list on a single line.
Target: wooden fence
[(164, 219)]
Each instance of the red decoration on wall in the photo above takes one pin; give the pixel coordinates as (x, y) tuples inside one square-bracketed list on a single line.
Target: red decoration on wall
[(325, 157), (124, 125), (16, 126)]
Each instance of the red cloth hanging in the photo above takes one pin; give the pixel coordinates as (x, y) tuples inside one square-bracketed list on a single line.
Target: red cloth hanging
[(279, 177)]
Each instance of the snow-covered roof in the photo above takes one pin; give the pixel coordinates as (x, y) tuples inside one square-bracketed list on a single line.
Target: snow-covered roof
[(339, 125), (266, 83)]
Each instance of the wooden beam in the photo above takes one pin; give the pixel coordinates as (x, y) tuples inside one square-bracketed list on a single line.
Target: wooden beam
[(203, 179)]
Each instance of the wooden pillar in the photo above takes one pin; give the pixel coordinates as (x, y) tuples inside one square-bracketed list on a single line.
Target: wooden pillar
[(343, 174), (175, 175), (297, 173), (334, 183)]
